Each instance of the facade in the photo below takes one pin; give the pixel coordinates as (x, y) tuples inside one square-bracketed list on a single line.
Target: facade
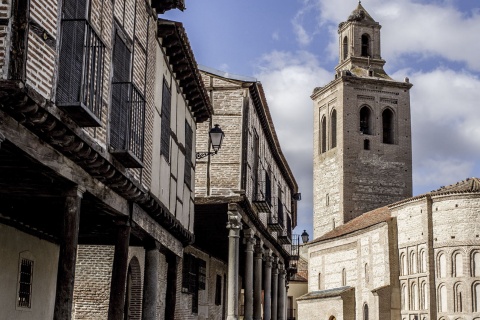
[(245, 201), (362, 139), (99, 104), (379, 253)]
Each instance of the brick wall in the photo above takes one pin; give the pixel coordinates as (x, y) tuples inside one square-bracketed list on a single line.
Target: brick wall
[(4, 14)]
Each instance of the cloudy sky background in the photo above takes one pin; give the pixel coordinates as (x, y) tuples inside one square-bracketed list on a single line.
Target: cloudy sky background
[(291, 47)]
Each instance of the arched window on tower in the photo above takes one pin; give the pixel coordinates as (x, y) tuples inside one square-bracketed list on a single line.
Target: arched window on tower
[(345, 48), (459, 296), (365, 45), (344, 277), (365, 312), (388, 126), (476, 297), (475, 264), (441, 266), (365, 120), (442, 299), (323, 143), (457, 264), (333, 128)]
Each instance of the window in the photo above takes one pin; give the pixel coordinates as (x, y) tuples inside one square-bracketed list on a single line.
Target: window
[(193, 277), (127, 117), (345, 48), (404, 297), (188, 154), (25, 283), (344, 277), (365, 311), (256, 157), (268, 189), (333, 129), (320, 281), (365, 45), (388, 126), (165, 130), (323, 144), (365, 120), (457, 264), (403, 265), (366, 144), (81, 65), (218, 290), (367, 276)]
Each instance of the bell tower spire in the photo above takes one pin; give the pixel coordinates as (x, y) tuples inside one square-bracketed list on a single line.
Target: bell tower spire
[(359, 39)]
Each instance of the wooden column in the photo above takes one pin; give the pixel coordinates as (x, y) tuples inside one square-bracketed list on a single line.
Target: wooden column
[(119, 272), (171, 298), (68, 255)]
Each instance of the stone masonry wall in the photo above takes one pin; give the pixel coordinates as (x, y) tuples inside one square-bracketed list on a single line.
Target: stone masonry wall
[(365, 258)]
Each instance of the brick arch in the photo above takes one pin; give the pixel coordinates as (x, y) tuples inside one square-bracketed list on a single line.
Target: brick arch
[(133, 295)]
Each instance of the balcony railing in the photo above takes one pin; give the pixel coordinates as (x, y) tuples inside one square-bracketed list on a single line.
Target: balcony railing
[(80, 73), (286, 236), (262, 197), (127, 124), (295, 248), (274, 223)]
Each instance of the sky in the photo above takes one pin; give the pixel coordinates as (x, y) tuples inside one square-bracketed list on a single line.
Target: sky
[(291, 47)]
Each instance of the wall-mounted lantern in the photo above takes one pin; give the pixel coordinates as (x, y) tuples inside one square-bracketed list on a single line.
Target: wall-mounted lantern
[(304, 236), (216, 138)]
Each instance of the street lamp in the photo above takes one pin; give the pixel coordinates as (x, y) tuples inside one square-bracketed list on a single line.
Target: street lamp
[(216, 137), (304, 236)]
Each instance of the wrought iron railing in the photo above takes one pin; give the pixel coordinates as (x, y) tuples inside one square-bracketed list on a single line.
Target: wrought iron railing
[(262, 197), (80, 75), (127, 123)]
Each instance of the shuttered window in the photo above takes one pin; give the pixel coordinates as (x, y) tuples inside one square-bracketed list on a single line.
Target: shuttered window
[(127, 116), (81, 66), (188, 154), (165, 134), (25, 283)]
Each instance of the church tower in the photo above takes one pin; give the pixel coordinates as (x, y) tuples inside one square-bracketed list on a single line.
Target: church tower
[(362, 132)]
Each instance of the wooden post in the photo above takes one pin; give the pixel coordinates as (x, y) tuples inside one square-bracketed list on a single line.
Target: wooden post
[(68, 255), (119, 272), (150, 282)]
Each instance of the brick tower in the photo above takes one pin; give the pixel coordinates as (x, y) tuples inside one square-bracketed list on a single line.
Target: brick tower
[(362, 135)]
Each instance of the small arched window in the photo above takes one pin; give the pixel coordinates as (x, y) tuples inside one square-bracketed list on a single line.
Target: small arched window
[(423, 296), (333, 128), (367, 276), (365, 312), (365, 120), (404, 297), (413, 263), (344, 277), (414, 297), (323, 143), (365, 45), (388, 126), (345, 48), (403, 265), (319, 281)]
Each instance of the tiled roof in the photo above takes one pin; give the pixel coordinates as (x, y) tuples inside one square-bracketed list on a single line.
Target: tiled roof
[(366, 220), (298, 278), (468, 185), (325, 293)]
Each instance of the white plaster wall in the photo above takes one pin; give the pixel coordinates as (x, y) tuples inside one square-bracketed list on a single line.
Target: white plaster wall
[(45, 256)]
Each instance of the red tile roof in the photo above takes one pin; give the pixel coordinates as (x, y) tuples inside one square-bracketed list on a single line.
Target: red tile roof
[(366, 220)]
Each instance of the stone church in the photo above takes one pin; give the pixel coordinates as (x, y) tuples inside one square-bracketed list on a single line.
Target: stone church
[(378, 252)]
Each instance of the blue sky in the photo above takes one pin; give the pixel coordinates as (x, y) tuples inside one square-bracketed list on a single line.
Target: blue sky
[(291, 47)]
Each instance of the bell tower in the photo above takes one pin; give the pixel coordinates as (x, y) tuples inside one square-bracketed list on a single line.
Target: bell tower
[(362, 132)]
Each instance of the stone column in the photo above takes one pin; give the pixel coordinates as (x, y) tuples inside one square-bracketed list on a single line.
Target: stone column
[(267, 281), (274, 288), (249, 240), (257, 284), (119, 272), (68, 254), (281, 293), (150, 282), (234, 224)]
